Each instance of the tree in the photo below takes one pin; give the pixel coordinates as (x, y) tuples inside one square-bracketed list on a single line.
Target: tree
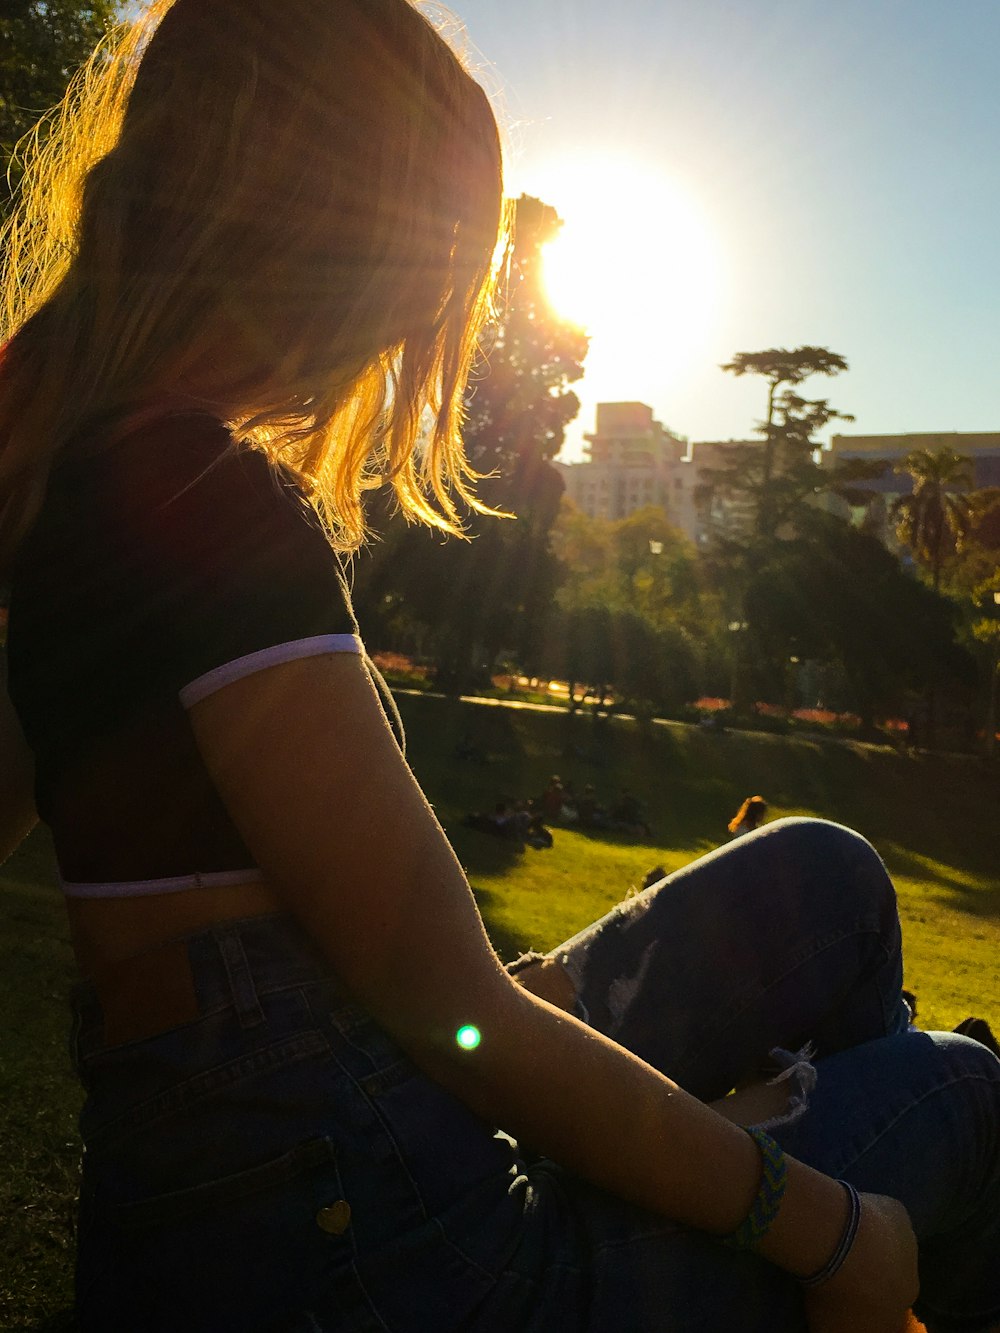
[(771, 487), (631, 615), (641, 564), (835, 595), (617, 653), (490, 594), (973, 570), (42, 45), (773, 480), (519, 403), (934, 519)]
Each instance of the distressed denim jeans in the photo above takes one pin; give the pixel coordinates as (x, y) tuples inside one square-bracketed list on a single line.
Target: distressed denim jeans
[(279, 1165)]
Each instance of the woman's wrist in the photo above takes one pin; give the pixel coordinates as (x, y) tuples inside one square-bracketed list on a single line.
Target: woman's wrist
[(810, 1225), (848, 1236), (760, 1231)]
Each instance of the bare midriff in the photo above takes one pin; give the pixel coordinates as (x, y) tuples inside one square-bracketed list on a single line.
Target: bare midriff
[(108, 930)]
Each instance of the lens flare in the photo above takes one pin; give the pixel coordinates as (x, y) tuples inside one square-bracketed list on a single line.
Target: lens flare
[(468, 1037)]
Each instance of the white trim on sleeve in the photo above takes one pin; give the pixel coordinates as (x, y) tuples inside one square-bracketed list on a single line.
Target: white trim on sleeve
[(265, 657)]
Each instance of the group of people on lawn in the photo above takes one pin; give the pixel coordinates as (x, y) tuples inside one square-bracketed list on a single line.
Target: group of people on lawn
[(528, 822)]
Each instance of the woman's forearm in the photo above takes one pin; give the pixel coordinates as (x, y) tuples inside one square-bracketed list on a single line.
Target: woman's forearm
[(603, 1113)]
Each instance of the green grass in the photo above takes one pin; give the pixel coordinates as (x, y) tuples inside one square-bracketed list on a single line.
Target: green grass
[(934, 820)]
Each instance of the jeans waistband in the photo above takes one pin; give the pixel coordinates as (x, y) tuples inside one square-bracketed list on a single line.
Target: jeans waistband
[(233, 964)]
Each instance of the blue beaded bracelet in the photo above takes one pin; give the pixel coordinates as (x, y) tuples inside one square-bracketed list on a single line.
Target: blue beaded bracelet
[(767, 1200)]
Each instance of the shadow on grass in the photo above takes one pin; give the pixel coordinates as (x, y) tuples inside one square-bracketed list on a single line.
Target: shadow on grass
[(507, 941), (925, 810), (482, 853), (957, 892)]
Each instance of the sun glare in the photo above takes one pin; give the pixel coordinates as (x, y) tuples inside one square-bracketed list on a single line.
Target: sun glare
[(635, 264)]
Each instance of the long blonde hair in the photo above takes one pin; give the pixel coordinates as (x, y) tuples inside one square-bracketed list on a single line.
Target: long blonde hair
[(286, 213)]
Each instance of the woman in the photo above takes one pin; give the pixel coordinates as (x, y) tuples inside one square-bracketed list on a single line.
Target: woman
[(295, 1037), (748, 817)]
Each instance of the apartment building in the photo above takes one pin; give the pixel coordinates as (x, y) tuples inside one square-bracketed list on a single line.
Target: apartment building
[(634, 461), (982, 447)]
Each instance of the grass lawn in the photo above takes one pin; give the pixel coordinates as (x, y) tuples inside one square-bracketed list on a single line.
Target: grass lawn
[(933, 819)]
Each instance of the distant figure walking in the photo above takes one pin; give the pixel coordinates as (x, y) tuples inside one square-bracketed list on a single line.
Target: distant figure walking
[(748, 817)]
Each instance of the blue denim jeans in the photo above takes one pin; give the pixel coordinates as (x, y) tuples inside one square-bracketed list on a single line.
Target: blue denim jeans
[(279, 1164)]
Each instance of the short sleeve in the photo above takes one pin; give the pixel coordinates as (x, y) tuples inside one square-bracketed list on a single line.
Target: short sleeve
[(227, 560)]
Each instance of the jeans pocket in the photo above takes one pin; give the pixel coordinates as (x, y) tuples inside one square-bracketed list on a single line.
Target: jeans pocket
[(214, 1195), (246, 1250)]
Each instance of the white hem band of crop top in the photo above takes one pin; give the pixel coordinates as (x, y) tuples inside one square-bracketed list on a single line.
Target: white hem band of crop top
[(191, 694), (291, 651), (141, 888)]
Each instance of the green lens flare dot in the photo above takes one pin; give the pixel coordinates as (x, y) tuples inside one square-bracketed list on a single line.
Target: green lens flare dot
[(468, 1037)]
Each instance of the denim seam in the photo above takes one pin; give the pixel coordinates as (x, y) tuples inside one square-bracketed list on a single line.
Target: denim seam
[(290, 1050), (242, 986), (822, 945), (390, 1076), (367, 1295), (666, 1230), (172, 1206), (376, 1113), (457, 1249), (934, 1092), (917, 1101)]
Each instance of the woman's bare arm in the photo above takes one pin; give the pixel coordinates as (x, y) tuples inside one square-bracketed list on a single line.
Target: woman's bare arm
[(308, 767), (17, 778)]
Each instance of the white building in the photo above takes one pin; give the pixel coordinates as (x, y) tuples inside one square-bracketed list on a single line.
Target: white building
[(634, 462)]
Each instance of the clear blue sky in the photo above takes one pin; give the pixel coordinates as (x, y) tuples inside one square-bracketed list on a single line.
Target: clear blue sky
[(845, 155)]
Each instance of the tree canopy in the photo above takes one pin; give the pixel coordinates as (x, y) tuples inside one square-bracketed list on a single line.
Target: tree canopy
[(834, 594), (519, 401), (934, 519), (475, 599), (769, 482)]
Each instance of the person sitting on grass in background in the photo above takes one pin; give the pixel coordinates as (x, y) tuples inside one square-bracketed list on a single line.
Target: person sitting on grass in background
[(748, 817), (628, 815), (550, 803), (589, 810), (247, 281)]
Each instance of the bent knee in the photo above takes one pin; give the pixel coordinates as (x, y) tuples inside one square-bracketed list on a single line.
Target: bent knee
[(833, 858)]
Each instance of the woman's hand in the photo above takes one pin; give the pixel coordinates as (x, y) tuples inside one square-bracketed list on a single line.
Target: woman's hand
[(878, 1283)]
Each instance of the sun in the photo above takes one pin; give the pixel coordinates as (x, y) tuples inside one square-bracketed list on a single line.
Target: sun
[(636, 265)]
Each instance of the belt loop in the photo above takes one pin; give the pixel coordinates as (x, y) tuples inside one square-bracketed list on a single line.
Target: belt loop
[(241, 983)]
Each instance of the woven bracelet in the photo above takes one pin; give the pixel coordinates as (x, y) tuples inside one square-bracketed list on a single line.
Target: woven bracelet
[(836, 1260), (767, 1200)]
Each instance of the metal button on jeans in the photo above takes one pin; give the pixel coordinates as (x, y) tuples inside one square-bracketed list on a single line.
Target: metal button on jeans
[(335, 1218)]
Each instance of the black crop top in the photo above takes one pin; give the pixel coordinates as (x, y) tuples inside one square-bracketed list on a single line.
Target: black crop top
[(158, 570)]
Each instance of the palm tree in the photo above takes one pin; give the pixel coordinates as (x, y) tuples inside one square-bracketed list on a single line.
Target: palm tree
[(936, 516)]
